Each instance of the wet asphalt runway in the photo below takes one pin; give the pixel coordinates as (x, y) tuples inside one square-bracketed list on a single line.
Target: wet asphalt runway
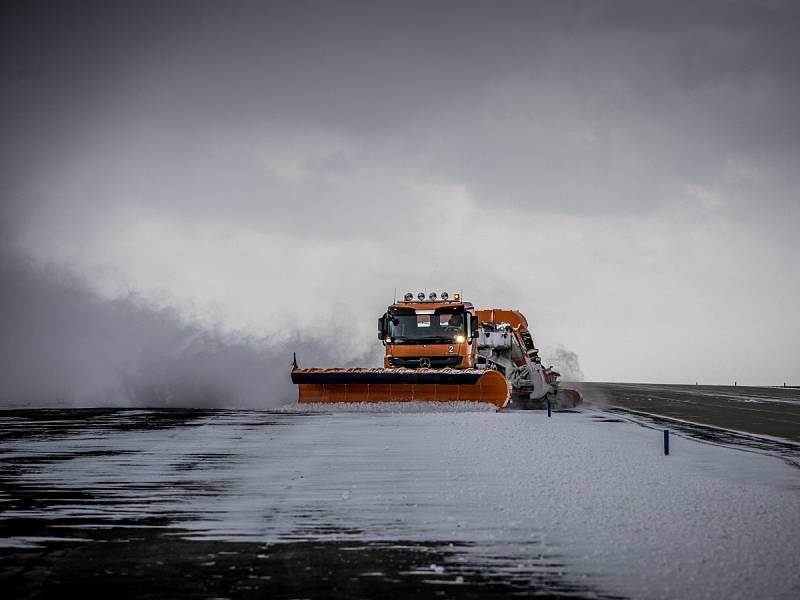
[(757, 410), (130, 532)]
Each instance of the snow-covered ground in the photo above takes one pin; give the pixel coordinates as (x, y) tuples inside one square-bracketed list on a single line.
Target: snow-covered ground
[(518, 493)]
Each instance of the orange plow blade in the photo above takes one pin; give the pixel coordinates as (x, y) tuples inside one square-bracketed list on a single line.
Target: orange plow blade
[(401, 385)]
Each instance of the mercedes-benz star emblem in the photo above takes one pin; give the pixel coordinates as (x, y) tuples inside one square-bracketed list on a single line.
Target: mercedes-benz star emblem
[(425, 363)]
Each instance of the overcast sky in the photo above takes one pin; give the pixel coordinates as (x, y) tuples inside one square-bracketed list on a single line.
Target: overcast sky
[(625, 173)]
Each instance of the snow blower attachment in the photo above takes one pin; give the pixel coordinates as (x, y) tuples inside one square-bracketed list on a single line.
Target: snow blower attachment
[(506, 344), (441, 350)]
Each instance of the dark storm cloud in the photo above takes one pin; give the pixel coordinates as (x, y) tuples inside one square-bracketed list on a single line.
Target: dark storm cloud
[(585, 106), (649, 151)]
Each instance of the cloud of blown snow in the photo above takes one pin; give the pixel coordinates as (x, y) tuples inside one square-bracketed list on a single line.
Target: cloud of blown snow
[(62, 344), (565, 362)]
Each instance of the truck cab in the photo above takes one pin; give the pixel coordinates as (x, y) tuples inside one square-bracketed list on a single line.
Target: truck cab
[(432, 332)]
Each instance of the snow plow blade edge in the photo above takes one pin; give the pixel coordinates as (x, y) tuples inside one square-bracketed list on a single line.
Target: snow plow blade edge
[(400, 385)]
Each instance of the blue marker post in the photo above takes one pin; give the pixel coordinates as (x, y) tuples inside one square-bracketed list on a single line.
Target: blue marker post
[(549, 414), (666, 442)]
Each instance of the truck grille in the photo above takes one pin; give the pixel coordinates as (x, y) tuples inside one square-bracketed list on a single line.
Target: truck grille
[(412, 362)]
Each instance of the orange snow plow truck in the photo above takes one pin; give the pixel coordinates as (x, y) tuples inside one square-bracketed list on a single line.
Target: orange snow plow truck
[(439, 349)]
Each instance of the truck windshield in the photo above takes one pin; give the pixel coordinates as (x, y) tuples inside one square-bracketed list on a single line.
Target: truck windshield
[(441, 328)]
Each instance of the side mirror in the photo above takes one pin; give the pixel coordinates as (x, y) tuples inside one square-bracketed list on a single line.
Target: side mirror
[(382, 328), (474, 326)]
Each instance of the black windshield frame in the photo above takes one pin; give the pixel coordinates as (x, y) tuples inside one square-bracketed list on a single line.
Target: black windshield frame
[(420, 326)]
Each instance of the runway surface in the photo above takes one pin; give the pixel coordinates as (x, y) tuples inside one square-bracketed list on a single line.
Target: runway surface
[(767, 411), (241, 504)]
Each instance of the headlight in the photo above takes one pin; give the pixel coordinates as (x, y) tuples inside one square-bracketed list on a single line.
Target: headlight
[(408, 297), (460, 339), (432, 296), (421, 296), (445, 295)]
